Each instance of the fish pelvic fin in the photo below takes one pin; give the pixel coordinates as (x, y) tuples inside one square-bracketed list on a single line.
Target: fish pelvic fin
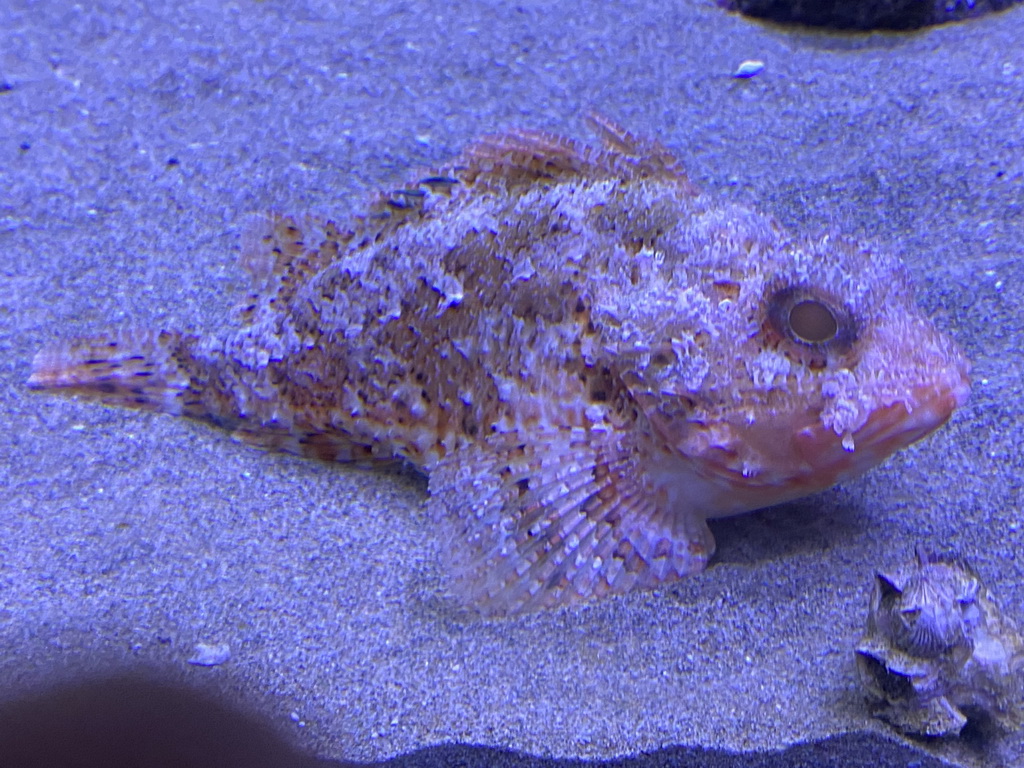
[(558, 519), (148, 370)]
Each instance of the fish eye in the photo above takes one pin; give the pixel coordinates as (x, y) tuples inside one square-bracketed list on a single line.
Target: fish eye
[(813, 322), (809, 324)]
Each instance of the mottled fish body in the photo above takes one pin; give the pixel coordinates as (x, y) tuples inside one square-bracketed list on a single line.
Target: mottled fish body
[(586, 355)]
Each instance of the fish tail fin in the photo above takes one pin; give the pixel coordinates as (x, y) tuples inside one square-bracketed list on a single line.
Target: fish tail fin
[(148, 370)]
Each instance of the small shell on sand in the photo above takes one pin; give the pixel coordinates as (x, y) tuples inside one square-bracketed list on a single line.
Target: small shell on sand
[(938, 651)]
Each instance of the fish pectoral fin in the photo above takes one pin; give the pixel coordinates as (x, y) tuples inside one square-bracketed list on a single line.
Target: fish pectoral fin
[(560, 518)]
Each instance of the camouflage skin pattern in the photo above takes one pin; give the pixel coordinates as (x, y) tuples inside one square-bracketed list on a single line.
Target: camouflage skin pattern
[(586, 355), (938, 650)]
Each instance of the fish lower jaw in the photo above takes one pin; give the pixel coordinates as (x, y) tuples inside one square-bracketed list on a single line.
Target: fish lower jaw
[(891, 428), (754, 470)]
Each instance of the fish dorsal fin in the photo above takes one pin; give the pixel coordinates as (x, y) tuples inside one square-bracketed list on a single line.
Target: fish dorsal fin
[(523, 157), (556, 519), (280, 252), (275, 245), (650, 156)]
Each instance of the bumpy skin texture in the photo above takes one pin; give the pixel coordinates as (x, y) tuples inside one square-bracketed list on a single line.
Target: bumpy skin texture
[(587, 356), (938, 650)]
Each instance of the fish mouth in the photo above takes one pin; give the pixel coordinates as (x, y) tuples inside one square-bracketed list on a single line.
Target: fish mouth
[(832, 458), (888, 429), (815, 457)]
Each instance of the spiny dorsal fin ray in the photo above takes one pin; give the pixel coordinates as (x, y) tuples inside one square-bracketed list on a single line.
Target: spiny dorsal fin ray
[(653, 157), (557, 518), (522, 157), (614, 136), (280, 252)]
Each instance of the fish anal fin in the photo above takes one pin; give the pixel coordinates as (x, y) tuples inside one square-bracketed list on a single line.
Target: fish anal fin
[(324, 445), (556, 520)]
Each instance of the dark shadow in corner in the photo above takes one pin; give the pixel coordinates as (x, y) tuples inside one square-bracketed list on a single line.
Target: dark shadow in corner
[(864, 15), (859, 750), (136, 722)]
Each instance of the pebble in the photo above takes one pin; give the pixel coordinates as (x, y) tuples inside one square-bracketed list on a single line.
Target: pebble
[(210, 655)]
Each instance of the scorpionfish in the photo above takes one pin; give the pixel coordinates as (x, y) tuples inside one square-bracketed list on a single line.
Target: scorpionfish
[(586, 355)]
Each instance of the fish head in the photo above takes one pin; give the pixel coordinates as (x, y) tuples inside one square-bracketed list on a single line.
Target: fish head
[(789, 365)]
